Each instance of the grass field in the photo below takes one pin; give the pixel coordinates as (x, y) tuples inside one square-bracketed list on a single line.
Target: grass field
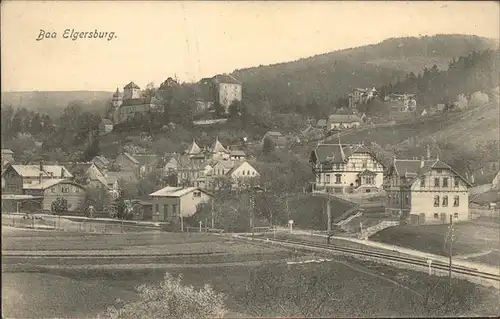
[(471, 237), (358, 291), (53, 287)]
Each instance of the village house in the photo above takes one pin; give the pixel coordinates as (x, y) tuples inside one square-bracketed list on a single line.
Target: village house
[(126, 162), (342, 121), (401, 102), (102, 163), (344, 168), (426, 192), (171, 203), (237, 155), (7, 157), (148, 163), (89, 170), (113, 179), (360, 96), (223, 89), (17, 177), (495, 183), (278, 139), (241, 173), (50, 190), (133, 104), (105, 127), (168, 164)]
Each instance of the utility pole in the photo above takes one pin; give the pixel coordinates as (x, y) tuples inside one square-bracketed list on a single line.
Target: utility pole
[(213, 220), (329, 213), (451, 247)]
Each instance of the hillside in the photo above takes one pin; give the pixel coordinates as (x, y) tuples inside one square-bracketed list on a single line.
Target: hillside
[(329, 76), (54, 101)]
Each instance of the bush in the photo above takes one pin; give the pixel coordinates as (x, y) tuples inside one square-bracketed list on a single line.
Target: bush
[(171, 299)]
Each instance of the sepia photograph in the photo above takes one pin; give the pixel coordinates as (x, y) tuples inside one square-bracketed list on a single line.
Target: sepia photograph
[(250, 159)]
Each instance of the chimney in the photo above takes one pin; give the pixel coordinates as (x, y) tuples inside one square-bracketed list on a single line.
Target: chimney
[(40, 174), (62, 172)]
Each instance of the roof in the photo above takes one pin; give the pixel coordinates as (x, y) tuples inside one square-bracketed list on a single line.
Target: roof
[(237, 153), (7, 151), (193, 148), (491, 196), (112, 177), (146, 159), (49, 183), (273, 134), (367, 173), (343, 118), (48, 170), (237, 165), (131, 85), (217, 147), (176, 191), (19, 197), (117, 93), (321, 123), (338, 153), (414, 167), (131, 158), (225, 78), (100, 159), (77, 167)]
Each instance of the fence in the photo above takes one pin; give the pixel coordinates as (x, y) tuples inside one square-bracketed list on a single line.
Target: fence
[(64, 224)]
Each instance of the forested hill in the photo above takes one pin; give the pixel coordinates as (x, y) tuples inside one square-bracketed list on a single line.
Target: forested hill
[(327, 77), (54, 101)]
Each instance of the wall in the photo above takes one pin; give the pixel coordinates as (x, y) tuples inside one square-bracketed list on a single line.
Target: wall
[(127, 112), (228, 93), (75, 196), (422, 197), (186, 206), (13, 182)]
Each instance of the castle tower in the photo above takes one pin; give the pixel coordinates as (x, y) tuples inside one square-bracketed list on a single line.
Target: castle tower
[(131, 91), (117, 99)]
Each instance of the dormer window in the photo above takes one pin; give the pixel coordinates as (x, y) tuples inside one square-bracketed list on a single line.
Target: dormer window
[(457, 182)]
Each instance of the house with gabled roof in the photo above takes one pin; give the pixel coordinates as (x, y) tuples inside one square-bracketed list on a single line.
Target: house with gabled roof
[(345, 168), (89, 170), (127, 162), (7, 157), (16, 177), (426, 191), (51, 189), (172, 203), (343, 121)]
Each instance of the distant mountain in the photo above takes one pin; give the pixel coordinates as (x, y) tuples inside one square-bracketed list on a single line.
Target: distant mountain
[(54, 101), (328, 76)]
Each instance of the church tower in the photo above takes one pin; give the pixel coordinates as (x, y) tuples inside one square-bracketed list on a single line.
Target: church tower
[(116, 102)]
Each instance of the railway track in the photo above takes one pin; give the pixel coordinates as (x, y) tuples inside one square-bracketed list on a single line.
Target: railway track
[(437, 265)]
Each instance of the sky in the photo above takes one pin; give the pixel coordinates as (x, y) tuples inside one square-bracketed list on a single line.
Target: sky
[(155, 40)]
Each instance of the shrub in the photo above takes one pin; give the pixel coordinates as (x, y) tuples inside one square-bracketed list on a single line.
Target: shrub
[(171, 299)]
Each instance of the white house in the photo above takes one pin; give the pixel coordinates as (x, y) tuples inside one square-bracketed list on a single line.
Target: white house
[(343, 121), (171, 203), (343, 168), (426, 191)]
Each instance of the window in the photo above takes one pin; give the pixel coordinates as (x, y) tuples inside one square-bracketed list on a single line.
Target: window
[(243, 173), (456, 201), (422, 182), (455, 215), (174, 209), (445, 201), (53, 190), (436, 182), (327, 178), (436, 201), (337, 166), (197, 194), (457, 181), (165, 210), (77, 190), (338, 179), (248, 173), (436, 216), (364, 164), (157, 208), (445, 181)]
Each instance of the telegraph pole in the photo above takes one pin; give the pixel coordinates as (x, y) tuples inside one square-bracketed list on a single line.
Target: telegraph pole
[(328, 212), (213, 221), (451, 247)]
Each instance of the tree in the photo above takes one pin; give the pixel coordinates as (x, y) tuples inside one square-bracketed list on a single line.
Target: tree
[(235, 109), (172, 299), (268, 146), (59, 206), (479, 99), (99, 198), (219, 110)]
